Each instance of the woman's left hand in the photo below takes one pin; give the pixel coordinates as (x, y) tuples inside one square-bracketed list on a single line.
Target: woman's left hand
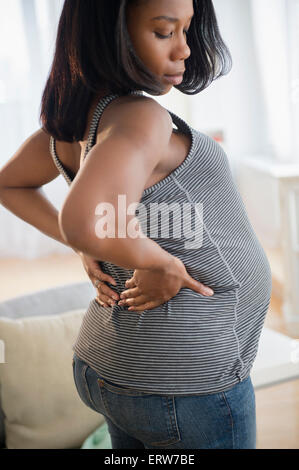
[(148, 289)]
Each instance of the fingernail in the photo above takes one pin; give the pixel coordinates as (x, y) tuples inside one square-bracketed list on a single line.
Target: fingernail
[(115, 297), (209, 291)]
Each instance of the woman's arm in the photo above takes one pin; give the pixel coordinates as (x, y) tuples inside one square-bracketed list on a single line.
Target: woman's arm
[(113, 178), (32, 206), (21, 181)]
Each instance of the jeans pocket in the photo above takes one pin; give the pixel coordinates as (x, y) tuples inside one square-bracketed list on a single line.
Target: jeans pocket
[(148, 417), (120, 389)]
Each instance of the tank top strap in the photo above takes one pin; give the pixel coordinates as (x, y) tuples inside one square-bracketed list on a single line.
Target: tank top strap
[(58, 163), (103, 102), (180, 123)]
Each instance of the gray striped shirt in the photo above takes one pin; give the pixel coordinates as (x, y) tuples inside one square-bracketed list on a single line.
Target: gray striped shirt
[(191, 344)]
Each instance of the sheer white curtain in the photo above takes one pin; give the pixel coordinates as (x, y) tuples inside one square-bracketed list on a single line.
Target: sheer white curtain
[(261, 94), (293, 15), (276, 26), (28, 31), (27, 38)]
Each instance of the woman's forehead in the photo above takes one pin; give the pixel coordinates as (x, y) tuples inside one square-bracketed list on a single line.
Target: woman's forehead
[(176, 9)]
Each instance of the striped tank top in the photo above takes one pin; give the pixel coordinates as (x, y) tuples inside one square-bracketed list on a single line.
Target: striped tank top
[(192, 344)]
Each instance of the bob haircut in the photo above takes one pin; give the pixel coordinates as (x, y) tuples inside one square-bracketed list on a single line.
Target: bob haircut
[(93, 52)]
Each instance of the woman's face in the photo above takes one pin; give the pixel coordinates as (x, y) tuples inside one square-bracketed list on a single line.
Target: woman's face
[(161, 44)]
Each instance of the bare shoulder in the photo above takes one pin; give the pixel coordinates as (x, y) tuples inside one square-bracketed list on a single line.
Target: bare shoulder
[(140, 116)]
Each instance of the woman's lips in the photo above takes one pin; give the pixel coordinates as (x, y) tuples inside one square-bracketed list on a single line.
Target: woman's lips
[(174, 79)]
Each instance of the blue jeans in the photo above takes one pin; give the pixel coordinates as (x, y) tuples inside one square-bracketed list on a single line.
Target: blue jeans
[(141, 420)]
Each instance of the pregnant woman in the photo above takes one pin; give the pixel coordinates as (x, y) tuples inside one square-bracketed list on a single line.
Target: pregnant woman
[(157, 208)]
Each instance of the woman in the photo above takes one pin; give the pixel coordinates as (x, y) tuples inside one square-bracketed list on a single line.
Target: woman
[(168, 366)]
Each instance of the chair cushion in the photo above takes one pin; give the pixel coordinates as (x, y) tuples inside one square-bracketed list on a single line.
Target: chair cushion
[(40, 402)]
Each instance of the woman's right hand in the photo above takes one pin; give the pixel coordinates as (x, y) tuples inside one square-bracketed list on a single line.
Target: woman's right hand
[(150, 288), (106, 297)]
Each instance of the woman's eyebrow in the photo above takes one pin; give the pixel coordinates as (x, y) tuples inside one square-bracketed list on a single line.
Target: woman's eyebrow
[(168, 18)]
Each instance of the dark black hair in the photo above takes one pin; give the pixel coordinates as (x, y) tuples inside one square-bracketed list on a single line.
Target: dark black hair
[(93, 52)]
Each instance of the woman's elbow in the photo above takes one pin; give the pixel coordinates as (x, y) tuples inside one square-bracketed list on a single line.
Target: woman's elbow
[(71, 229)]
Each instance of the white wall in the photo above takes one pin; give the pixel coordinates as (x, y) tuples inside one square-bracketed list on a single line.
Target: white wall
[(233, 103)]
